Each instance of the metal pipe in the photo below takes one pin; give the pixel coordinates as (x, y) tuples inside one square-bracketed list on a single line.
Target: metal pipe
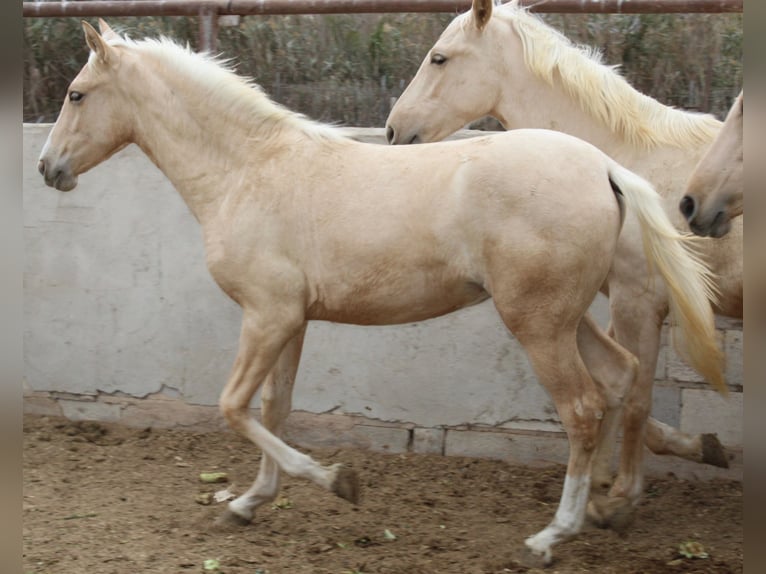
[(107, 8), (208, 29)]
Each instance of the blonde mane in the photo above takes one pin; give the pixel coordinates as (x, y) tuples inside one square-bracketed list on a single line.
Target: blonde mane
[(600, 90), (237, 98)]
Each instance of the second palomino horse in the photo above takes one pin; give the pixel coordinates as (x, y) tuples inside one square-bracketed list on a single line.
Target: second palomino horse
[(374, 235), (505, 62)]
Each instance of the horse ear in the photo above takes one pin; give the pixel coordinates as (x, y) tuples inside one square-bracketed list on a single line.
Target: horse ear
[(106, 31), (96, 43), (482, 12)]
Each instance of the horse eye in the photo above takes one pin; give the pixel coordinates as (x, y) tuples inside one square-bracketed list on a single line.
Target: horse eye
[(438, 59), (76, 96)]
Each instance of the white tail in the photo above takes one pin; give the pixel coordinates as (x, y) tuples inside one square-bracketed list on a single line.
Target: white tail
[(689, 281)]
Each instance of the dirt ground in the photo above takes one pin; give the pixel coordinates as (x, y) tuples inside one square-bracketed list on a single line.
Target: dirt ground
[(108, 499)]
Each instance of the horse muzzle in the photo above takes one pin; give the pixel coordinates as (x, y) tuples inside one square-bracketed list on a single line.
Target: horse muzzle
[(58, 176), (705, 223), (394, 137), (719, 226)]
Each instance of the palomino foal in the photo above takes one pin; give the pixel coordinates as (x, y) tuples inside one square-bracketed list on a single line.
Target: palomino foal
[(505, 62), (374, 235), (714, 193)]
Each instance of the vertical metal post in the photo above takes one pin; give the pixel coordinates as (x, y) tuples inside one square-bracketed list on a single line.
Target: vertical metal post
[(208, 28)]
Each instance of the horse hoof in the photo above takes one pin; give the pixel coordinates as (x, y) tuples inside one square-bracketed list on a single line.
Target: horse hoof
[(615, 513), (230, 520), (531, 559), (346, 484), (713, 452)]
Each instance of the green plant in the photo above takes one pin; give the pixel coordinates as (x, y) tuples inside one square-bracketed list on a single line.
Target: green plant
[(346, 68)]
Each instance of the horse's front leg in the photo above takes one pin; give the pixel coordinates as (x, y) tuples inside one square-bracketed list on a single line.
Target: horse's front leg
[(276, 403), (636, 325), (265, 342), (663, 439), (704, 448)]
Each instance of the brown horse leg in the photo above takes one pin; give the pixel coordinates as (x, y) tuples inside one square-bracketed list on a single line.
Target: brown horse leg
[(637, 323), (614, 369), (259, 350), (581, 404)]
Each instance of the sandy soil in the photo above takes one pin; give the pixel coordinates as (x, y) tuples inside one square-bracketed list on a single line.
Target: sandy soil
[(108, 499)]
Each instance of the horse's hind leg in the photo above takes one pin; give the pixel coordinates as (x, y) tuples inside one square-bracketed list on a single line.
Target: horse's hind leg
[(261, 344), (614, 369), (581, 406), (276, 403)]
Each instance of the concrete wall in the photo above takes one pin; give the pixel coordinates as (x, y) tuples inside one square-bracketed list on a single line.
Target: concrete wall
[(119, 307)]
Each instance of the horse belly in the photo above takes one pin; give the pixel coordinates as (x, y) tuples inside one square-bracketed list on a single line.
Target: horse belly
[(394, 302)]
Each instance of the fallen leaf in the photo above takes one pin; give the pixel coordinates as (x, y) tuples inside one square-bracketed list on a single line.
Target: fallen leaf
[(388, 535), (692, 549), (211, 477), (363, 541), (204, 498), (282, 503)]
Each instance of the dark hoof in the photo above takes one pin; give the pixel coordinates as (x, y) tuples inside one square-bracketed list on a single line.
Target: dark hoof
[(713, 452), (533, 560), (346, 484), (617, 514), (229, 521)]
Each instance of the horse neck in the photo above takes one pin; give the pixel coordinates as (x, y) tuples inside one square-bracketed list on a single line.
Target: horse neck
[(540, 105), (529, 101), (202, 149)]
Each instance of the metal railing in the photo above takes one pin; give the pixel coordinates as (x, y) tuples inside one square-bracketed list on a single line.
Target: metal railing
[(254, 7), (208, 11)]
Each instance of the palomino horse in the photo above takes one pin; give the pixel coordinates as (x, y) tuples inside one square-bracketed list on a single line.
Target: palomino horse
[(714, 192), (374, 235), (505, 62)]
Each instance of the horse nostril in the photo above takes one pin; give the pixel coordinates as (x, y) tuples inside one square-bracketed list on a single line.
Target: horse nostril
[(688, 207), (41, 167), (390, 134)]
